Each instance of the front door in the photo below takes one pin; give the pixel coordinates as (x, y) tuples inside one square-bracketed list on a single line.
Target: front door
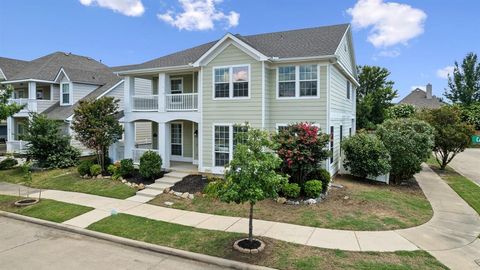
[(176, 131)]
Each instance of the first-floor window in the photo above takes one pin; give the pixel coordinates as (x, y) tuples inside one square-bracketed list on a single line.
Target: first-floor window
[(332, 137), (176, 139), (237, 135), (65, 93), (222, 145)]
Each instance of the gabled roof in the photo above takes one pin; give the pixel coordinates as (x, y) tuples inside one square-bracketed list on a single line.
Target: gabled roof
[(309, 42), (418, 98), (10, 66)]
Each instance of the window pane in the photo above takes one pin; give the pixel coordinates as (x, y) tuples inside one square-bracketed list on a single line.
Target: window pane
[(286, 73), (65, 98), (176, 149), (176, 85), (221, 75), (240, 74), (308, 88), (176, 139), (286, 89), (222, 90), (221, 159), (222, 145), (236, 137), (240, 89), (282, 128), (308, 72)]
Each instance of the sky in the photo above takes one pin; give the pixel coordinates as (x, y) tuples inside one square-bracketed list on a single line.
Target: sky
[(418, 41)]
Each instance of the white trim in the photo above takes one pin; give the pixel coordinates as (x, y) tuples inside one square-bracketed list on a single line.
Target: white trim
[(297, 82), (349, 43), (230, 144), (249, 49), (344, 70), (154, 70), (70, 94), (181, 140), (263, 95), (177, 78), (3, 74), (64, 73), (302, 59), (181, 158), (28, 80), (200, 123), (277, 125), (230, 82), (110, 89)]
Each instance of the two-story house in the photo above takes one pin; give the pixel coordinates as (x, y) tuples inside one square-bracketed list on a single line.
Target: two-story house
[(192, 100), (54, 85)]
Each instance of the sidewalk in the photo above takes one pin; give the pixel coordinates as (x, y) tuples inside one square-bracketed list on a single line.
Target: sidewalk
[(449, 235)]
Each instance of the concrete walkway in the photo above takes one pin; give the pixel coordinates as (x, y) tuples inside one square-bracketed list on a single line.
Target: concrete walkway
[(467, 164), (450, 235)]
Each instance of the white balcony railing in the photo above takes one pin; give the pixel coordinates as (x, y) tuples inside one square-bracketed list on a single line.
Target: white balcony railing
[(138, 153), (17, 146), (30, 104), (182, 102), (145, 103)]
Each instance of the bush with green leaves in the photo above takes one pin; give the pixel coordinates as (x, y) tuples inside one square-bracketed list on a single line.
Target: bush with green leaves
[(95, 170), (452, 135), (8, 163), (313, 188), (471, 114), (323, 176), (401, 111), (112, 169), (48, 145), (150, 165), (366, 155), (126, 168), (84, 167), (291, 190), (410, 142)]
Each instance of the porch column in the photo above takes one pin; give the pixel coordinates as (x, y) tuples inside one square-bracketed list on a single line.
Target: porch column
[(163, 135), (128, 91), (129, 139), (162, 77), (32, 90)]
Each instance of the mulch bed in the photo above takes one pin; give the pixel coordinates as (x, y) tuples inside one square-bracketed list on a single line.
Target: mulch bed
[(138, 179), (191, 184)]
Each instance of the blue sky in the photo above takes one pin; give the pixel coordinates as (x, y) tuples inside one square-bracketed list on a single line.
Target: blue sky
[(415, 40)]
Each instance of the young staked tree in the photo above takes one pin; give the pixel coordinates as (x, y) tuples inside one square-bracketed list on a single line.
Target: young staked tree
[(96, 125), (374, 95), (464, 87), (452, 135), (7, 109), (251, 175)]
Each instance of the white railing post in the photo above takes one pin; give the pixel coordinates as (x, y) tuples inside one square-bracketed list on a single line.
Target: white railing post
[(182, 102), (128, 89), (162, 90), (129, 139)]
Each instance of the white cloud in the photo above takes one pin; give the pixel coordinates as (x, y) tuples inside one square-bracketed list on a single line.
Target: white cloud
[(389, 53), (444, 72), (391, 23), (132, 8), (199, 15)]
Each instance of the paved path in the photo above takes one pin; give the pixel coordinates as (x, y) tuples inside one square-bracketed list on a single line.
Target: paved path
[(449, 234), (28, 246), (467, 164)]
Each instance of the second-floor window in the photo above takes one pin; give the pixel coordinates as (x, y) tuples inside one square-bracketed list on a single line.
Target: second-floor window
[(232, 82), (176, 85), (65, 93), (298, 81)]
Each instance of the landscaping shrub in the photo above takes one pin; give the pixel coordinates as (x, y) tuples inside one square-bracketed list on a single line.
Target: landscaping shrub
[(68, 158), (365, 155), (84, 167), (112, 169), (95, 170), (150, 165), (291, 190), (302, 147), (126, 168), (410, 142), (8, 163), (401, 111), (471, 114), (313, 188), (322, 175)]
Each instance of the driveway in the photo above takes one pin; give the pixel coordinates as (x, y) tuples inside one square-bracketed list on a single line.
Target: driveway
[(29, 246), (467, 164)]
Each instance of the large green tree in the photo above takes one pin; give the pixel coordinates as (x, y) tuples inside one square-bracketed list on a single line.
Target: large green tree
[(374, 95), (7, 109), (464, 87), (96, 125)]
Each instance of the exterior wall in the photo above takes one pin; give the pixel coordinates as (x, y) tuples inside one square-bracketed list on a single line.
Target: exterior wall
[(143, 133), (292, 110), (80, 90), (117, 93), (187, 82), (229, 110), (344, 52), (187, 139), (143, 86)]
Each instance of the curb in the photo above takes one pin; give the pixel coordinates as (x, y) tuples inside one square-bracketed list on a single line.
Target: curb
[(138, 244)]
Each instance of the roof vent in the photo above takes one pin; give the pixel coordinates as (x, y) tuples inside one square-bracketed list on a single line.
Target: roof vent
[(68, 53)]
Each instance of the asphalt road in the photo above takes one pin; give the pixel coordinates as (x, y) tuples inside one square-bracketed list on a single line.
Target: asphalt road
[(29, 246), (467, 164)]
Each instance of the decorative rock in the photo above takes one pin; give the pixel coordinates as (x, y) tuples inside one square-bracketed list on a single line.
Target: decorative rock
[(85, 176), (171, 191), (107, 177), (191, 196), (185, 195), (310, 201), (123, 180), (178, 194), (141, 186), (336, 185), (346, 198), (168, 203), (281, 200), (167, 190)]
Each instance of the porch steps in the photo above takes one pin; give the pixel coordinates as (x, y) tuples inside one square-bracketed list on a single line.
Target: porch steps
[(159, 186), (155, 189)]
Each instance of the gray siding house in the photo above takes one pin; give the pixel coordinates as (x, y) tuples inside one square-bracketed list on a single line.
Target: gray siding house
[(188, 103), (422, 99)]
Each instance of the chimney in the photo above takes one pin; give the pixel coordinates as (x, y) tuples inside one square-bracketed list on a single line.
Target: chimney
[(429, 91)]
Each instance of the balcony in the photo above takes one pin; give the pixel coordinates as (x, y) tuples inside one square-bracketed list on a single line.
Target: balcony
[(30, 104), (20, 147), (173, 102)]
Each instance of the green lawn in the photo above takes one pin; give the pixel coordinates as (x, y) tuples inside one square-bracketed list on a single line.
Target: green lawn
[(277, 254), (468, 190), (359, 205), (70, 180), (46, 209)]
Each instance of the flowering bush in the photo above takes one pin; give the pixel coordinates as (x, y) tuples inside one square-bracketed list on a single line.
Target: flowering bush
[(302, 147)]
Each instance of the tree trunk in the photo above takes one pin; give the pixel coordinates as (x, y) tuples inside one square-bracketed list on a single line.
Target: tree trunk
[(250, 224)]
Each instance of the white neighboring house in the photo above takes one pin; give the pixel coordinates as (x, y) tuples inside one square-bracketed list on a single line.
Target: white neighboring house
[(53, 85), (190, 101)]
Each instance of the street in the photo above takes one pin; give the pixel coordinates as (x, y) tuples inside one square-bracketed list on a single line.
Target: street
[(25, 245), (467, 163)]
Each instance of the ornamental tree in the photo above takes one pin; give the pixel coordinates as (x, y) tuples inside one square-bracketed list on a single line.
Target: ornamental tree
[(471, 114), (401, 111), (251, 175), (8, 109), (452, 135), (96, 125), (302, 147)]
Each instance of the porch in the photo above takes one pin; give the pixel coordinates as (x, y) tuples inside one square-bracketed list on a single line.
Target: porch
[(16, 128), (36, 97)]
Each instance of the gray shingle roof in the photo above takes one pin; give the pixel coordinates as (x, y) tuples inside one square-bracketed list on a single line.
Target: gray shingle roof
[(10, 67), (317, 41), (418, 98)]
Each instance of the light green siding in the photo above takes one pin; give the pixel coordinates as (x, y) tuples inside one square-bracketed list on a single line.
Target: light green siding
[(345, 54), (230, 110)]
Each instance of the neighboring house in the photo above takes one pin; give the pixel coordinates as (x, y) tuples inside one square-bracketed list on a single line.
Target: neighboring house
[(53, 85), (422, 99), (192, 100)]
